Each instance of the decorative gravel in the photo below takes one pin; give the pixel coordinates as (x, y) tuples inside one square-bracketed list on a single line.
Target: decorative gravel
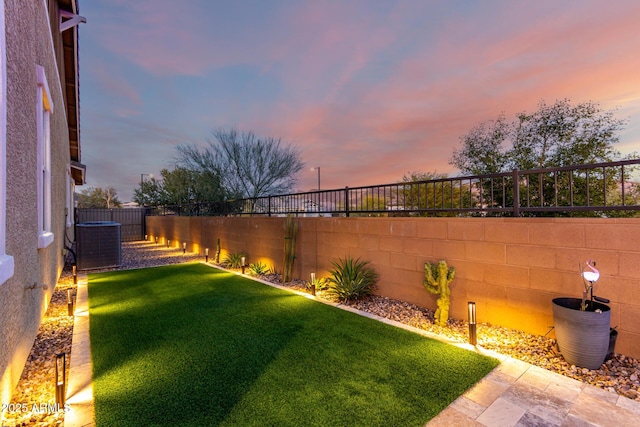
[(34, 397)]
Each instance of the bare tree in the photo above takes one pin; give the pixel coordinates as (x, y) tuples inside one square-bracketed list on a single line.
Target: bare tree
[(111, 196), (248, 166), (98, 198)]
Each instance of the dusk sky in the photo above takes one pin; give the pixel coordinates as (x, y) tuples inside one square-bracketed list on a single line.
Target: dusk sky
[(369, 90)]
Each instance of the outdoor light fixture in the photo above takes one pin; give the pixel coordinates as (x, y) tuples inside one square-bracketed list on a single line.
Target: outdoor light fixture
[(593, 275), (146, 237), (74, 272), (472, 323), (243, 260), (168, 242), (70, 301), (156, 240), (61, 378), (184, 247), (206, 255), (313, 284)]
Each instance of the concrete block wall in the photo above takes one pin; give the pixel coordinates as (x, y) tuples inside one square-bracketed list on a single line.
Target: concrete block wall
[(511, 267)]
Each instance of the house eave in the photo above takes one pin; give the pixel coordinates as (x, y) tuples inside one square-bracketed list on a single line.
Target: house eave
[(78, 172), (71, 84)]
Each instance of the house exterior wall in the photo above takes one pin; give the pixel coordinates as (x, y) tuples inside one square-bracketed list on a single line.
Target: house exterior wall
[(511, 267), (29, 43)]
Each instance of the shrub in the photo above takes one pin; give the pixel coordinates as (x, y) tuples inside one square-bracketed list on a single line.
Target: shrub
[(351, 279), (234, 260), (259, 269)]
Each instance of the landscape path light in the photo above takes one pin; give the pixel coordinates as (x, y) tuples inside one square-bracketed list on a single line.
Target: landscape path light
[(156, 240), (472, 323), (184, 248), (313, 284), (206, 255), (74, 273), (61, 378), (70, 301), (243, 260)]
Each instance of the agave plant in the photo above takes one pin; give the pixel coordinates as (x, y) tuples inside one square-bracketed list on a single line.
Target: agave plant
[(259, 269), (234, 260), (351, 279)]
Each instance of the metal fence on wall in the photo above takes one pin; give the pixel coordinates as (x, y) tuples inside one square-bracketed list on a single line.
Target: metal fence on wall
[(601, 189), (130, 219)]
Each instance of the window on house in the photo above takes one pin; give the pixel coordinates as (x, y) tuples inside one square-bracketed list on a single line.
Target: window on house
[(6, 261), (44, 110)]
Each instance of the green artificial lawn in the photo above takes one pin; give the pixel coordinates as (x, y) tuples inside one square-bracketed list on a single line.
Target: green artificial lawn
[(192, 345)]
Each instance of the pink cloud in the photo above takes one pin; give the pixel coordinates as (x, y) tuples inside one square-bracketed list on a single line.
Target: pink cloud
[(370, 96), (165, 38), (115, 84)]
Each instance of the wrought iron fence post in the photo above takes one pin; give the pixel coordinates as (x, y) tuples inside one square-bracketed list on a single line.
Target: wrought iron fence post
[(516, 193), (346, 201), (269, 205)]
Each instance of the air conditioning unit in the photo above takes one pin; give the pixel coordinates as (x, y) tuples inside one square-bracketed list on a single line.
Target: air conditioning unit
[(98, 245)]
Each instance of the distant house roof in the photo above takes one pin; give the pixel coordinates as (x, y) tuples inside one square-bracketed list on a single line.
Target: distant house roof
[(128, 205)]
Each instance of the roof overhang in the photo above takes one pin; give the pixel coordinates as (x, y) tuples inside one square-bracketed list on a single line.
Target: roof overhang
[(78, 171), (69, 32)]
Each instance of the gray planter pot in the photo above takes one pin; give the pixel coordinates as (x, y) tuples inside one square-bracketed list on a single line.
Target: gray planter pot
[(583, 336)]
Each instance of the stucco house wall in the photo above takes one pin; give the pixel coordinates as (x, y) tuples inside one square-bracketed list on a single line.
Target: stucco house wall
[(30, 38)]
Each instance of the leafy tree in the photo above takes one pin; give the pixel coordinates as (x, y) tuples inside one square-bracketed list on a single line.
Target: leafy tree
[(179, 186), (431, 190), (182, 185), (375, 203), (484, 148), (553, 136), (149, 193), (248, 166), (98, 198), (631, 197), (564, 135)]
